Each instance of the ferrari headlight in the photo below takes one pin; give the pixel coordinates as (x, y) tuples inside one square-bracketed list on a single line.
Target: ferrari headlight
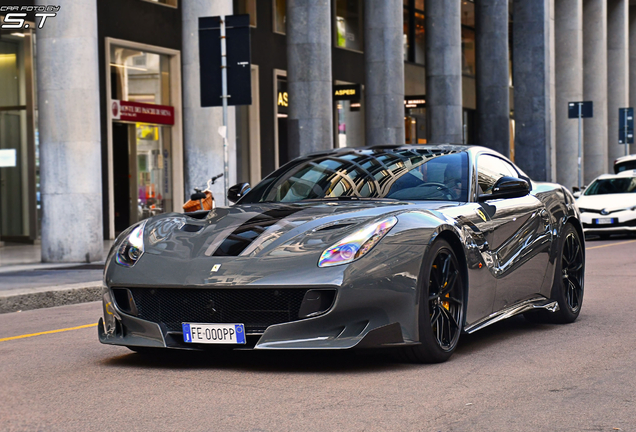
[(131, 249), (356, 245)]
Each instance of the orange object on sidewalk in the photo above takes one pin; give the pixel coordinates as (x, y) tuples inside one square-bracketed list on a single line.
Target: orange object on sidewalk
[(194, 205)]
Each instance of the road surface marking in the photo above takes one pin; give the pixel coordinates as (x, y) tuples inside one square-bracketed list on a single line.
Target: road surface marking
[(47, 332), (610, 244)]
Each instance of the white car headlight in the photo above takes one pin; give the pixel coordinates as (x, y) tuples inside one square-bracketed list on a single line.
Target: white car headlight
[(358, 244), (131, 249)]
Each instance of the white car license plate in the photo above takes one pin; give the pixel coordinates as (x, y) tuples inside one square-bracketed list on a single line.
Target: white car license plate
[(604, 221), (213, 333)]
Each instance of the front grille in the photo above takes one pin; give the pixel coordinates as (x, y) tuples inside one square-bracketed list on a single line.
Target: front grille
[(256, 308)]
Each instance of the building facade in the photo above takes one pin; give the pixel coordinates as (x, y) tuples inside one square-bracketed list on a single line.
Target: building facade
[(77, 165)]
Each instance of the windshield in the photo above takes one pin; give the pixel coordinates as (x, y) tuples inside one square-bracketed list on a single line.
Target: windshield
[(624, 166), (403, 174), (612, 186)]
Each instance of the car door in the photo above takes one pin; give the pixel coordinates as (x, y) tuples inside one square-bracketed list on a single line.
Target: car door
[(515, 230)]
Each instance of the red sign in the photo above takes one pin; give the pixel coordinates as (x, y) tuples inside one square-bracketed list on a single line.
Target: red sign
[(142, 112)]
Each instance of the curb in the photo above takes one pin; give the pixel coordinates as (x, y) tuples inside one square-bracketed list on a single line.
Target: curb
[(45, 297)]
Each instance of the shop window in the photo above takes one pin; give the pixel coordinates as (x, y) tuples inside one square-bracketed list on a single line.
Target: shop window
[(139, 76), (468, 52), (280, 16), (19, 171), (349, 24), (247, 7)]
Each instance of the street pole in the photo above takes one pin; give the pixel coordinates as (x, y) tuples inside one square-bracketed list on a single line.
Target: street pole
[(224, 96), (580, 145)]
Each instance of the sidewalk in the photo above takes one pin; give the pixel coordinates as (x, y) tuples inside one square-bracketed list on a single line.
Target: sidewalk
[(27, 283)]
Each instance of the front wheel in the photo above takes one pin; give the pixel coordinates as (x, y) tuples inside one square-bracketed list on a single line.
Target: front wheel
[(441, 306)]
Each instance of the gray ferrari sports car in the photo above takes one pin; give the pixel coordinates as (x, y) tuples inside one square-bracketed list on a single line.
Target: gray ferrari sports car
[(396, 246)]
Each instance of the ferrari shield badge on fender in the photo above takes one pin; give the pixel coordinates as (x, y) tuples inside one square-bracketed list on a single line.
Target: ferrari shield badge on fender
[(215, 268), (482, 215)]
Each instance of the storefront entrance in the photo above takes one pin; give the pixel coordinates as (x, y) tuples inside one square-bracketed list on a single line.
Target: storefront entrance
[(143, 187), (145, 164)]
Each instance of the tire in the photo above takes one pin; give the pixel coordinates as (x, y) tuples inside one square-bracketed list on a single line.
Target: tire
[(440, 320), (568, 283)]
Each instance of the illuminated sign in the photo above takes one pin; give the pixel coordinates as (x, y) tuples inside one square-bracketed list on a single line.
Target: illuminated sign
[(415, 102), (350, 92)]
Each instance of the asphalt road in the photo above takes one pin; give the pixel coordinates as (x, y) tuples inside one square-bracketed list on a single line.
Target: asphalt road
[(508, 377)]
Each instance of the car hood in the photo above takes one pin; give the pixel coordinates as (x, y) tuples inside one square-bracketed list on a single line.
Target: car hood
[(259, 230), (610, 202)]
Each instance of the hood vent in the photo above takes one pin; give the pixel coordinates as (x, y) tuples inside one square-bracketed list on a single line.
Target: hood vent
[(333, 227), (191, 228), (249, 231)]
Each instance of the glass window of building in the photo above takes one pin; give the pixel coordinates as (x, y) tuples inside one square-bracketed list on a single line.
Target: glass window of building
[(247, 7), (350, 24), (19, 184), (349, 113), (142, 152), (280, 15), (468, 38), (468, 52), (468, 13), (414, 32)]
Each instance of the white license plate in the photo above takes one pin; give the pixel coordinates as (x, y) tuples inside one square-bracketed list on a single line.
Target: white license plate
[(213, 333), (604, 221)]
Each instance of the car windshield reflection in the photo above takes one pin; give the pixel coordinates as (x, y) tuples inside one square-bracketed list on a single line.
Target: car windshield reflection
[(402, 174)]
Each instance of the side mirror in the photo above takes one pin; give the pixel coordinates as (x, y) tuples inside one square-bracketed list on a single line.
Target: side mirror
[(238, 191), (508, 187), (577, 194)]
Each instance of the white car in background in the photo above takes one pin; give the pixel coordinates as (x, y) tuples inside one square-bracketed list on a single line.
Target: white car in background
[(625, 163), (608, 204)]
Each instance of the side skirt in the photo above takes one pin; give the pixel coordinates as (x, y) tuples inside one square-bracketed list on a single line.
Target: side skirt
[(515, 309)]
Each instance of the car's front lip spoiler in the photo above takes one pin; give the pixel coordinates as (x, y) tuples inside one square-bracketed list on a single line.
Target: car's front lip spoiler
[(133, 331)]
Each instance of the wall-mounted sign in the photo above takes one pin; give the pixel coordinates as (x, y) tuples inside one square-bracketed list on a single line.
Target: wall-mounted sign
[(139, 112), (8, 158), (282, 97), (350, 92), (415, 102)]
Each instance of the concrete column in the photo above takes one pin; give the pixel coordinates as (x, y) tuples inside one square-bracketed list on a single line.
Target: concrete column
[(534, 81), (569, 86), (203, 146), (595, 87), (444, 71), (384, 69), (309, 82), (493, 90), (617, 74), (69, 134), (632, 61)]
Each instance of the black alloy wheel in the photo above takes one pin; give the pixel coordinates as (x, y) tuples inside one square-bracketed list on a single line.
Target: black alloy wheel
[(572, 271), (441, 306), (569, 280)]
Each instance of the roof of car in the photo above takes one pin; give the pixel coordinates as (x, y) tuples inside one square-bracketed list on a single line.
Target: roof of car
[(625, 158), (622, 174)]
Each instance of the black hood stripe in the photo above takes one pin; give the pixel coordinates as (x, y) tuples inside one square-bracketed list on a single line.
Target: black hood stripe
[(236, 241)]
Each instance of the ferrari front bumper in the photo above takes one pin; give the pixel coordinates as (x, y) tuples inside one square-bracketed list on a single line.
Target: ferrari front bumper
[(383, 318)]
